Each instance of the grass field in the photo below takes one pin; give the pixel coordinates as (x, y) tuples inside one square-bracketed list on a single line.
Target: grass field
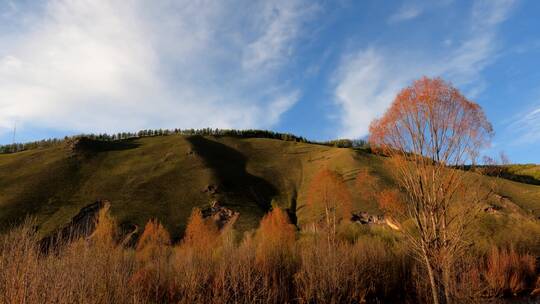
[(165, 177)]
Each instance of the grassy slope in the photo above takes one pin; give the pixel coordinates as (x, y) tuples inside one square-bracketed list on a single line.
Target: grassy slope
[(529, 170), (164, 177)]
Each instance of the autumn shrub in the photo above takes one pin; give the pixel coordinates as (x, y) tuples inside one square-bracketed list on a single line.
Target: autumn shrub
[(152, 255), (83, 271), (238, 278), (274, 264), (19, 265), (389, 200), (105, 232), (201, 234), (275, 255), (501, 272), (196, 252), (509, 272), (329, 202), (348, 273)]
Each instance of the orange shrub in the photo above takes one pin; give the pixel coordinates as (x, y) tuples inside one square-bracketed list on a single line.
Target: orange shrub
[(275, 238), (105, 230), (200, 233), (275, 255), (509, 272), (390, 202), (329, 200), (154, 242), (152, 253)]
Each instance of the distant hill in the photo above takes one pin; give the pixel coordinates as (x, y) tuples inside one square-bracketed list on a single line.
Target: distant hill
[(165, 177), (528, 173)]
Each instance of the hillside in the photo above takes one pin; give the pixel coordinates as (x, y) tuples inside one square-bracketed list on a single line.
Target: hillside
[(528, 172), (165, 177)]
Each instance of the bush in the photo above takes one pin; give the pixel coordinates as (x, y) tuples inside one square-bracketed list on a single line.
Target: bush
[(270, 265)]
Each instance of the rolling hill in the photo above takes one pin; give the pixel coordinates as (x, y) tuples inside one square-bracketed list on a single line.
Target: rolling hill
[(167, 176)]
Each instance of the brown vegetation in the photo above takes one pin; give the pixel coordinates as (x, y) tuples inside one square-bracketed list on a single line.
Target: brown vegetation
[(329, 201), (430, 127), (275, 264)]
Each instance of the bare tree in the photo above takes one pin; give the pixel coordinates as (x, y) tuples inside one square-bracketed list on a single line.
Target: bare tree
[(429, 130)]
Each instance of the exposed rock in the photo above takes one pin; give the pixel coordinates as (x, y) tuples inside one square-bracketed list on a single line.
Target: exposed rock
[(82, 224), (502, 198), (364, 218), (222, 216), (211, 189), (492, 209)]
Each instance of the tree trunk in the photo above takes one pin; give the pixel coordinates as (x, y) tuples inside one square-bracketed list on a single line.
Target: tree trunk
[(432, 281), (446, 284)]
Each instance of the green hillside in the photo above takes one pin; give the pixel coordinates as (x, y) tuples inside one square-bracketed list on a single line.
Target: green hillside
[(166, 176)]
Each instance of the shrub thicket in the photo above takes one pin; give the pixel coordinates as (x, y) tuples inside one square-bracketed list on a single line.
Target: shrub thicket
[(274, 264)]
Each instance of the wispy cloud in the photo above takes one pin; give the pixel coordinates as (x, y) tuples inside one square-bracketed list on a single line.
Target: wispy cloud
[(278, 27), (107, 66), (525, 128), (368, 79), (406, 12)]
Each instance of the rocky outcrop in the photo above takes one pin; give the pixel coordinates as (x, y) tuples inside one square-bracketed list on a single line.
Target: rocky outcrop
[(82, 224), (222, 216), (492, 208), (364, 218), (211, 189)]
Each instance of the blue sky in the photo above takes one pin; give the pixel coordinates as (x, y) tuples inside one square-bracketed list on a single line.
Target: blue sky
[(317, 69)]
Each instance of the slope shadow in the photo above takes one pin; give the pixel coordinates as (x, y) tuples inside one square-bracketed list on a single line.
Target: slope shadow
[(230, 168), (521, 178), (45, 192)]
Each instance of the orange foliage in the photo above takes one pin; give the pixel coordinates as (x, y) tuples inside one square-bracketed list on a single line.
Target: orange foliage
[(153, 252), (431, 119), (105, 231), (390, 202), (430, 127), (329, 198), (200, 233), (275, 236), (274, 254), (154, 242), (509, 272)]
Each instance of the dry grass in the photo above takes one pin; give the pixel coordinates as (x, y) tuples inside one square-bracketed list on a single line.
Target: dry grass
[(273, 264), (348, 273), (503, 272), (509, 272)]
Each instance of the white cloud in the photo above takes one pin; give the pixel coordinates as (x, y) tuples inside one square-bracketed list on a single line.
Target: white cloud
[(109, 66), (364, 88), (279, 27), (367, 80), (406, 12)]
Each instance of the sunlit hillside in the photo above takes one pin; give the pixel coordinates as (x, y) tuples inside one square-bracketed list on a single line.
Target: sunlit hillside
[(165, 177)]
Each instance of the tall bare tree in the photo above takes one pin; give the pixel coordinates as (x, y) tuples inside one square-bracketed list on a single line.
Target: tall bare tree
[(429, 130)]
